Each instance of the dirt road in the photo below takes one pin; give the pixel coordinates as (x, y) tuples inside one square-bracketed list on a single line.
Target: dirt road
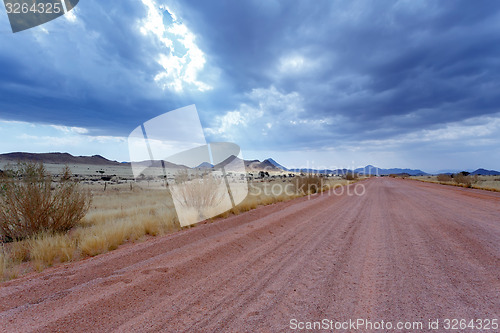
[(404, 251)]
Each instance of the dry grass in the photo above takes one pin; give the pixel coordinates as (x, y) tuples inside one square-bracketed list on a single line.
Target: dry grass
[(114, 218), (489, 183), (267, 193), (309, 184), (107, 236), (123, 215), (47, 249), (18, 252), (118, 217)]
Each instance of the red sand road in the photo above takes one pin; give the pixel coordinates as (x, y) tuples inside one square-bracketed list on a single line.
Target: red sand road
[(405, 251)]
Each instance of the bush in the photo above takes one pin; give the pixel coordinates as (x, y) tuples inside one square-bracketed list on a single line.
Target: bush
[(462, 179), (403, 175), (309, 184), (444, 178), (351, 176), (30, 203), (200, 194)]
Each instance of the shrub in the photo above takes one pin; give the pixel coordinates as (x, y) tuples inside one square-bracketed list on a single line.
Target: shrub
[(461, 178), (444, 178), (30, 203), (351, 176), (309, 184), (202, 195)]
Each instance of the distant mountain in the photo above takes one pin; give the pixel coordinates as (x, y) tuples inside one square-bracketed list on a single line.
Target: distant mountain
[(65, 158), (372, 170), (322, 171), (226, 162), (250, 165), (205, 165), (484, 172), (367, 170), (276, 164), (157, 164), (57, 158), (256, 165), (268, 165)]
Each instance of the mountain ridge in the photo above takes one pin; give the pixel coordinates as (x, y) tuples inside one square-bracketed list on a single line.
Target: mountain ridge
[(57, 158), (268, 164), (276, 164), (485, 172)]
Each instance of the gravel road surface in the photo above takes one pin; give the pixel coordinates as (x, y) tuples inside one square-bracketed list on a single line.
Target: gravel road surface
[(403, 251)]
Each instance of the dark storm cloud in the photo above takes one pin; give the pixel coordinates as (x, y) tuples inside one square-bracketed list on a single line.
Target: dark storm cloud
[(389, 67), (97, 72), (351, 70)]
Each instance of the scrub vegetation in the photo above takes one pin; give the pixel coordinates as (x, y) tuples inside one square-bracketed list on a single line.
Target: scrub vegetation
[(463, 179), (86, 220)]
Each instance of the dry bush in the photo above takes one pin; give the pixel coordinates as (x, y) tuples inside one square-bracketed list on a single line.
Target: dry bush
[(182, 176), (462, 179), (399, 175), (114, 218), (350, 176), (202, 195), (444, 178), (475, 179), (309, 184), (30, 204)]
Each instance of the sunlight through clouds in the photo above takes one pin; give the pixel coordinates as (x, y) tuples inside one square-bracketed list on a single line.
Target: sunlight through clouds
[(182, 59), (71, 15)]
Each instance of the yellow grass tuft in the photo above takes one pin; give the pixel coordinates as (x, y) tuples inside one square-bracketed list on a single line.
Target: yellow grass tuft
[(19, 251), (46, 249), (107, 237)]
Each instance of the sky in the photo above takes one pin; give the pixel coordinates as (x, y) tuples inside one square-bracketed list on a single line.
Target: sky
[(411, 84)]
